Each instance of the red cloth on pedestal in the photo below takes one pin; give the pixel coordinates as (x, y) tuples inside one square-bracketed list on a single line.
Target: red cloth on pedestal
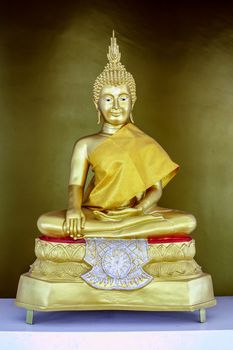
[(178, 237)]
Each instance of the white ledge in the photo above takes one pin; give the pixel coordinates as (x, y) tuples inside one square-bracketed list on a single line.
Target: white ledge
[(110, 330)]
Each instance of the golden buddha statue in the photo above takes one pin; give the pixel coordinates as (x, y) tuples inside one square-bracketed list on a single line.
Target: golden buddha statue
[(141, 254), (130, 170)]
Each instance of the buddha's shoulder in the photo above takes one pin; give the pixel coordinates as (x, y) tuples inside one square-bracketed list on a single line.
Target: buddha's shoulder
[(88, 142)]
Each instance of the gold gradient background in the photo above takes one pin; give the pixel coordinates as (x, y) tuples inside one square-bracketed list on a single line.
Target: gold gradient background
[(181, 55)]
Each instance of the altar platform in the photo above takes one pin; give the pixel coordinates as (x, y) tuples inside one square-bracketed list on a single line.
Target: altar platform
[(110, 330)]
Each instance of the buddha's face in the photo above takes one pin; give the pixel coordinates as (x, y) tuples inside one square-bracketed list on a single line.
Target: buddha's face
[(115, 104)]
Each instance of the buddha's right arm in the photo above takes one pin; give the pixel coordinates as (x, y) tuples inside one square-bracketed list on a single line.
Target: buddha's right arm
[(75, 195), (75, 218)]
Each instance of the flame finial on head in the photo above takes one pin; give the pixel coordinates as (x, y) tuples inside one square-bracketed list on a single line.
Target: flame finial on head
[(114, 73), (113, 55)]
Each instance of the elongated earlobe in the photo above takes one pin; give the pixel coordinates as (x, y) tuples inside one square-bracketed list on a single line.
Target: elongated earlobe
[(99, 117), (131, 118), (98, 112)]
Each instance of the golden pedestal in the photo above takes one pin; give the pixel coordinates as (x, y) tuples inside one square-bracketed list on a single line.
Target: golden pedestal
[(54, 282)]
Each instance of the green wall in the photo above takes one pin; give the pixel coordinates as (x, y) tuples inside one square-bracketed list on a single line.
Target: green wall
[(181, 58)]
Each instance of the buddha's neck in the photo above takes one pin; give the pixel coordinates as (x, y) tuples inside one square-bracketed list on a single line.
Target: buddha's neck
[(109, 129)]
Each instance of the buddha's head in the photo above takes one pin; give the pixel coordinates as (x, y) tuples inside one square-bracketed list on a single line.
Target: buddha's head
[(114, 90)]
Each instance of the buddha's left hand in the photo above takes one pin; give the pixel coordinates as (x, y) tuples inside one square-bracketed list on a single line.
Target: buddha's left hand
[(126, 211), (118, 214)]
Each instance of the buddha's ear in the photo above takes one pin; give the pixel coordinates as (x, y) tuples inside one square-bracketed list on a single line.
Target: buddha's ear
[(133, 102), (98, 112), (96, 105), (131, 114), (131, 118)]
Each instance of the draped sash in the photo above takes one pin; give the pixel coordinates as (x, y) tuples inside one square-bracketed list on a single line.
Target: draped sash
[(124, 165)]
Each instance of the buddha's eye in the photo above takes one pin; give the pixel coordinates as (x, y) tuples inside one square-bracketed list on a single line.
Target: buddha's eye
[(108, 99), (123, 98)]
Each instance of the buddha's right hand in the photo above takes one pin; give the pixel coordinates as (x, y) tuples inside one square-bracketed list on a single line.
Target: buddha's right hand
[(74, 223)]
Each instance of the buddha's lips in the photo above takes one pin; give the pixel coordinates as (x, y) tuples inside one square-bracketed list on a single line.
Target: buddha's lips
[(116, 113)]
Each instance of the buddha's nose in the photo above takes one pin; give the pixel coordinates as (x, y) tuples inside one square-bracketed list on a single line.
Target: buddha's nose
[(116, 104)]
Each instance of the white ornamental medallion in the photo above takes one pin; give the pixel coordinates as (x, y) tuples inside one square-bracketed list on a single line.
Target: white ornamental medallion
[(117, 264)]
